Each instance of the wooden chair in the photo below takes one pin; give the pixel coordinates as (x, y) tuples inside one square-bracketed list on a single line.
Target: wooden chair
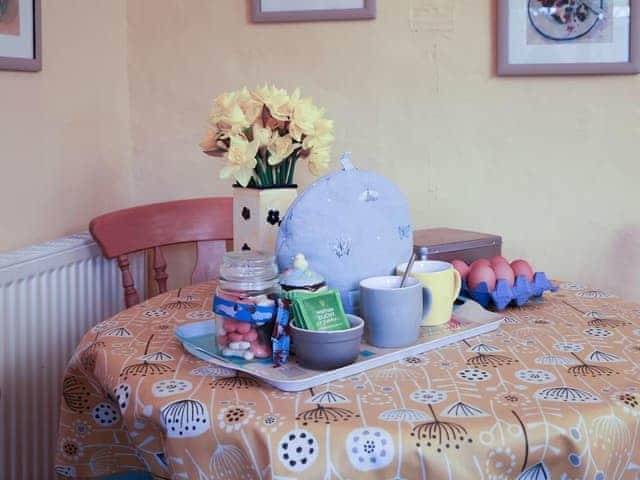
[(207, 221)]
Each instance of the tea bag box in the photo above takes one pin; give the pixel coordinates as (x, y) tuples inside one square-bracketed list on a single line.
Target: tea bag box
[(451, 244)]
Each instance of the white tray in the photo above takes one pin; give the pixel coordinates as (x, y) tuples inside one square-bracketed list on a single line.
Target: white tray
[(468, 320)]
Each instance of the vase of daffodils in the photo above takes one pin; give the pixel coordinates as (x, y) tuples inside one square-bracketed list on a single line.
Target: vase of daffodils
[(263, 134)]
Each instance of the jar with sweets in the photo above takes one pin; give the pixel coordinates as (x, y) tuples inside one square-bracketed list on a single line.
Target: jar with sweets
[(245, 304)]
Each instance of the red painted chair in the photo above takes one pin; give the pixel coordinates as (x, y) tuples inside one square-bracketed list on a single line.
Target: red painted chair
[(207, 221)]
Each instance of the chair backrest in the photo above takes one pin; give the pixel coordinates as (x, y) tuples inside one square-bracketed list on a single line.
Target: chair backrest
[(206, 221)]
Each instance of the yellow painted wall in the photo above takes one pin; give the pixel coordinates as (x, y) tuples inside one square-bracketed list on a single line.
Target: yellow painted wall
[(549, 163), (65, 144)]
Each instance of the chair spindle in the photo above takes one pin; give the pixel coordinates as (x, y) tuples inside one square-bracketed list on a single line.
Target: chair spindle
[(160, 267), (130, 294)]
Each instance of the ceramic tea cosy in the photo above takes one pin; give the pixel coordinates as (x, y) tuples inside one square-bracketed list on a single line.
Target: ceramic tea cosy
[(349, 225)]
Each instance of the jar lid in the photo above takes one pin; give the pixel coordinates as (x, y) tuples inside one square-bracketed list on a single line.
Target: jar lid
[(248, 266), (300, 275)]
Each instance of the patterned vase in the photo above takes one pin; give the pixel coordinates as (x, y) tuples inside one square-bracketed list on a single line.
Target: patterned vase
[(257, 213)]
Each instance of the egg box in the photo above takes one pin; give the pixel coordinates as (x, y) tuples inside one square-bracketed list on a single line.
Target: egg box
[(503, 295)]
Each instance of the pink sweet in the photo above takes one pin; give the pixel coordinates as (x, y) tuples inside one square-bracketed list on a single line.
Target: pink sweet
[(243, 327), (229, 325), (222, 340), (259, 350), (250, 336), (235, 337)]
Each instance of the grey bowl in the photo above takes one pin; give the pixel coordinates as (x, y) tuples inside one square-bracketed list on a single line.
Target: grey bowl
[(328, 350)]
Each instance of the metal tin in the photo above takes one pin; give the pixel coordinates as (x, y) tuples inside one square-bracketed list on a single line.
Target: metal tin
[(450, 244)]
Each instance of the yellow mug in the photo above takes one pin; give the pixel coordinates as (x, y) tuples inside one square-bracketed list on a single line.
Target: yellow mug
[(444, 282)]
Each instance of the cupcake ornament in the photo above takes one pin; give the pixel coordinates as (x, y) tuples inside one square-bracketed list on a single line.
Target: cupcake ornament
[(301, 277)]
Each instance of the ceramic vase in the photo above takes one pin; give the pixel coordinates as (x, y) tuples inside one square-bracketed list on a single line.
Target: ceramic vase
[(257, 213)]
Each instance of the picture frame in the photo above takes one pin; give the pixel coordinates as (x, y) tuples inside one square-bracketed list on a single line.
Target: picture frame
[(289, 10), (544, 37), (20, 35)]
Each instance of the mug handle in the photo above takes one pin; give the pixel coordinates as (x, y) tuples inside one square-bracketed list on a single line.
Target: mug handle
[(457, 285), (426, 303)]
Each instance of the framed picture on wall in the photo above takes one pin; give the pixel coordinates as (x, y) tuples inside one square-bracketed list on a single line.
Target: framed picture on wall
[(558, 37), (308, 10), (20, 35)]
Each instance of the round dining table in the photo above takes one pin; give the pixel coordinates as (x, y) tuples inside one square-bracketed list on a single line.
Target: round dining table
[(553, 393)]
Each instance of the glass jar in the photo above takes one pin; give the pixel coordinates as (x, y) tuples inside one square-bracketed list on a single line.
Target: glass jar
[(245, 304)]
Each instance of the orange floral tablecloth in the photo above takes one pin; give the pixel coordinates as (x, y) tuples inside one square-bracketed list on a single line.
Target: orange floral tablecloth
[(554, 393)]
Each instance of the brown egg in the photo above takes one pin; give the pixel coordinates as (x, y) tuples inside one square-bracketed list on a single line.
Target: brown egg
[(498, 259), (480, 261), (521, 267), (503, 271), (481, 273), (461, 267)]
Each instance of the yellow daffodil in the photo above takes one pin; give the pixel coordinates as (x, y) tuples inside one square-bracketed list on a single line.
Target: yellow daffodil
[(212, 144), (278, 123), (323, 127), (280, 148), (319, 159), (228, 117), (262, 94), (209, 141), (303, 118), (294, 99), (322, 134), (279, 105), (261, 135), (226, 101), (241, 159), (251, 107), (275, 99)]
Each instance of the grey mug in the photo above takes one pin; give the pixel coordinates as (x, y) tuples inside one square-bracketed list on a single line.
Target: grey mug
[(393, 314)]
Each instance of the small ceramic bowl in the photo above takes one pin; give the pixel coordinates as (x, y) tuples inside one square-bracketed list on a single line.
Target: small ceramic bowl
[(328, 350)]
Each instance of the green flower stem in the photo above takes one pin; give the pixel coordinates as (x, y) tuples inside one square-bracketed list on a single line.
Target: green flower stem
[(282, 172), (273, 175), (285, 171), (257, 171), (292, 169), (266, 168), (260, 171), (269, 171)]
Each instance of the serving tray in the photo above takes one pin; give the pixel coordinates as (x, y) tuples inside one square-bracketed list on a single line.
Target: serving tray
[(468, 320)]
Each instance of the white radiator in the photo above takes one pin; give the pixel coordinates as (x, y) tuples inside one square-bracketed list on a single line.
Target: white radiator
[(50, 295)]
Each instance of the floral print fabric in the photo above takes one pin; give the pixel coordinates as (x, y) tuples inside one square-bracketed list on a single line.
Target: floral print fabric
[(554, 393)]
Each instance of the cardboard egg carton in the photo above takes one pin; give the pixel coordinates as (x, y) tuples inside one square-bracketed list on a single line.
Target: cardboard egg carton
[(503, 295)]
